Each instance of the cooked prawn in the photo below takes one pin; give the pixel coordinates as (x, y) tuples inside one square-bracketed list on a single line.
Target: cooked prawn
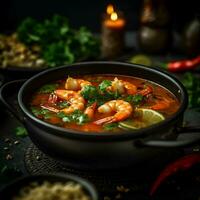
[(161, 104), (122, 87), (75, 84), (76, 101), (89, 111), (122, 108)]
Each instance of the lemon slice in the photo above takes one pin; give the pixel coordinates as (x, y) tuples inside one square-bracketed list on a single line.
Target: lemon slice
[(145, 117), (141, 59)]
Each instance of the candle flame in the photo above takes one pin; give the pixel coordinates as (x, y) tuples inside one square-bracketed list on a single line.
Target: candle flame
[(114, 16), (110, 9)]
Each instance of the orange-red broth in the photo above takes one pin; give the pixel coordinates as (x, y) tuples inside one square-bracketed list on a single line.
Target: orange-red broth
[(158, 92)]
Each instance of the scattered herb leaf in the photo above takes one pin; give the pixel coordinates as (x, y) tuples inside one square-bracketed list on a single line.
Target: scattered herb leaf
[(134, 99), (192, 84), (110, 127), (21, 131), (104, 84), (77, 117), (46, 114), (48, 88)]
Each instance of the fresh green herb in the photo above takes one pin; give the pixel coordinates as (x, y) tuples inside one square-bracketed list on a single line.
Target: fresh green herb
[(99, 94), (77, 117), (48, 88), (192, 84), (104, 84), (63, 104), (21, 131), (110, 127), (46, 114), (90, 92), (134, 99), (60, 44)]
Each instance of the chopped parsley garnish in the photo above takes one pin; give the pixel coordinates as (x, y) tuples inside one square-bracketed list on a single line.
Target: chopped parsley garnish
[(104, 84), (110, 127), (99, 94), (41, 112), (134, 99), (77, 117), (48, 88), (90, 92)]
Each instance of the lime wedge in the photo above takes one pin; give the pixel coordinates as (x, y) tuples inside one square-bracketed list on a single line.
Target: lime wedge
[(141, 59), (144, 117)]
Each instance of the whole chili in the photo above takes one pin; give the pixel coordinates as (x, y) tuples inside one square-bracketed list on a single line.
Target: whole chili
[(181, 164), (182, 65)]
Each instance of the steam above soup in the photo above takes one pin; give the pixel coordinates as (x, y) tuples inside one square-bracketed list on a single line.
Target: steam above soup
[(99, 103)]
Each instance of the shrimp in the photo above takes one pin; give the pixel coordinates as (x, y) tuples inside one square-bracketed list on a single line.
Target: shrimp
[(122, 108), (89, 111), (122, 86), (76, 101), (76, 84), (146, 91), (161, 104)]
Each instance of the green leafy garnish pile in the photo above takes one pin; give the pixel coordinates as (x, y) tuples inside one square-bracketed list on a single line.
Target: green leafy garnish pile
[(99, 94), (40, 112), (134, 99), (77, 117), (60, 44), (192, 84)]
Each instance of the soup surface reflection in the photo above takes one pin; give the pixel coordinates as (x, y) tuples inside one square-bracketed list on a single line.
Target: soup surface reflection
[(101, 103)]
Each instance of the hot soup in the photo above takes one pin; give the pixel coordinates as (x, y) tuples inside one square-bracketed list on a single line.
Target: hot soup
[(101, 103)]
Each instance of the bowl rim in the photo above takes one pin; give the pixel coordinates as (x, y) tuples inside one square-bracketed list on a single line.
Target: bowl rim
[(86, 184), (107, 136)]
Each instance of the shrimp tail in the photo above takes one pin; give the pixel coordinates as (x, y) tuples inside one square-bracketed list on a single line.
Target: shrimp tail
[(146, 91), (52, 109), (161, 105), (105, 120), (89, 111)]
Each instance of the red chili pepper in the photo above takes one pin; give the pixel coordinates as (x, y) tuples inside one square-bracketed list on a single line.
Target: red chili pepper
[(181, 164), (183, 65)]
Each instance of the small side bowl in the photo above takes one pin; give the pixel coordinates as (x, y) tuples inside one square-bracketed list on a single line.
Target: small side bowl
[(11, 190)]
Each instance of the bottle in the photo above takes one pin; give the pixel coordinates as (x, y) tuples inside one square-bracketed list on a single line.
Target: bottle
[(154, 35), (191, 37)]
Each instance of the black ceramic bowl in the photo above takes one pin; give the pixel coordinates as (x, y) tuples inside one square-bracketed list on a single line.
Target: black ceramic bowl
[(102, 150), (1, 79), (11, 190)]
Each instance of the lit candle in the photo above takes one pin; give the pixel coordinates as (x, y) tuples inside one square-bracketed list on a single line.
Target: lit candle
[(114, 22), (112, 33)]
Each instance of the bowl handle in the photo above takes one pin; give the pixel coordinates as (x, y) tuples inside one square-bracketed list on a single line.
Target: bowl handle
[(183, 142), (6, 92)]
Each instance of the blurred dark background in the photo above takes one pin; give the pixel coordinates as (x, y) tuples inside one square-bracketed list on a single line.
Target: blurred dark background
[(89, 12)]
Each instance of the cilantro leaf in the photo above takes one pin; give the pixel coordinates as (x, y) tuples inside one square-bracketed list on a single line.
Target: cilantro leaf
[(104, 84), (48, 88), (21, 131), (134, 99), (110, 127)]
